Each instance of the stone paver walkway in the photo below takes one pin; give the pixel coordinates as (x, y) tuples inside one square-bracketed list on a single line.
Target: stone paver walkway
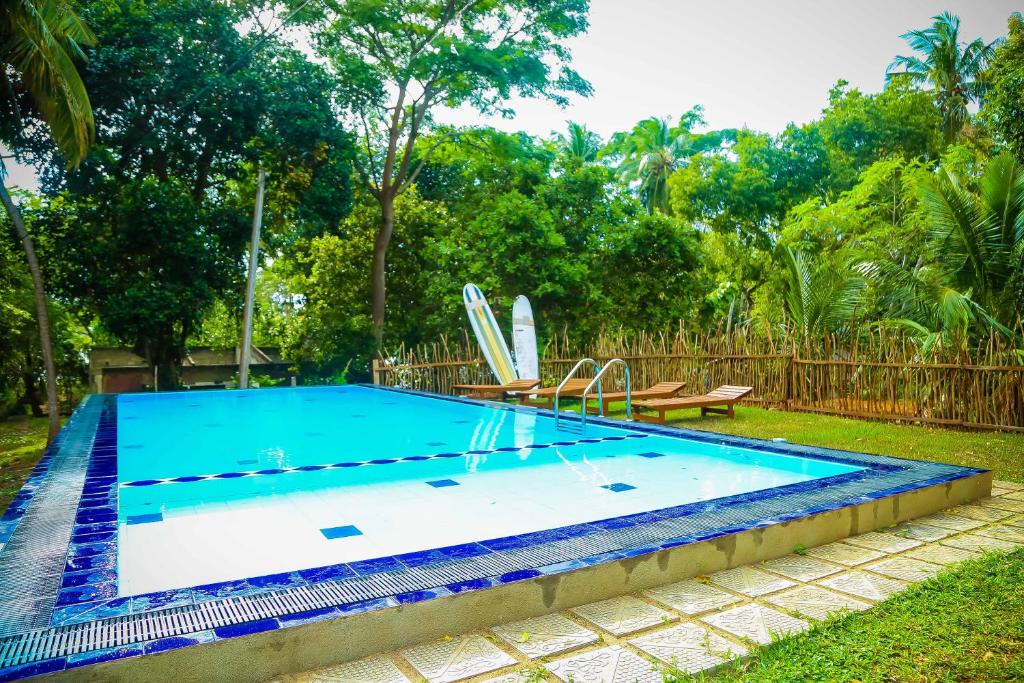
[(701, 623)]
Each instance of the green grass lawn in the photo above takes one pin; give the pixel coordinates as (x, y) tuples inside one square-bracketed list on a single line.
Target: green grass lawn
[(22, 441), (964, 625), (1003, 453)]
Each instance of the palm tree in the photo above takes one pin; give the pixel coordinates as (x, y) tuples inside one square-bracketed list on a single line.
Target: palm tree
[(41, 40), (979, 238), (654, 149), (972, 264), (581, 144), (951, 67), (819, 298)]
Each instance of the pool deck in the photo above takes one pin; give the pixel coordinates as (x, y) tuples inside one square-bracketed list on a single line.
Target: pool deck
[(701, 623), (60, 614)]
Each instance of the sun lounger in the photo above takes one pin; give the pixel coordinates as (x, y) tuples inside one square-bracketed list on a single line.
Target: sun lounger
[(722, 396), (545, 398), (659, 390), (495, 390)]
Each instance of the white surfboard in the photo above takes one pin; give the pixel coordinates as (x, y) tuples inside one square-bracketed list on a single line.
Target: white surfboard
[(488, 335), (524, 339)]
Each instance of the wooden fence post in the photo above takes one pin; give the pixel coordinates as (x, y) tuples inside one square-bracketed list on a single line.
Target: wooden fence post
[(376, 370)]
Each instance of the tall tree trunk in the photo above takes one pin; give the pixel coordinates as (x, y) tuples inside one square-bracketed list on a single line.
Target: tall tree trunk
[(380, 251), (28, 377), (42, 315)]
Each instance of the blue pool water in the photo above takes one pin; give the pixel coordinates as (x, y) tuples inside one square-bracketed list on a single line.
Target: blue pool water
[(223, 485)]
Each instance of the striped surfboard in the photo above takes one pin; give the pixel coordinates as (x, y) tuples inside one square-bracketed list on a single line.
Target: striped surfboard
[(491, 341)]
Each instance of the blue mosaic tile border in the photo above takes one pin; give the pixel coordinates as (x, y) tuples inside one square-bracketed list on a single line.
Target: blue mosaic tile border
[(90, 571), (88, 586)]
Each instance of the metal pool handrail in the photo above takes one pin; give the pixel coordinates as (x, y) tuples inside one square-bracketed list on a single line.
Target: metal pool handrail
[(569, 376), (600, 403)]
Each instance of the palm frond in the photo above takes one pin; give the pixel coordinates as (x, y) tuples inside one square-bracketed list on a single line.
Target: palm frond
[(43, 37)]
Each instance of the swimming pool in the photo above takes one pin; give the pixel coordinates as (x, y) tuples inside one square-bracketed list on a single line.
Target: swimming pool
[(317, 521), (284, 480)]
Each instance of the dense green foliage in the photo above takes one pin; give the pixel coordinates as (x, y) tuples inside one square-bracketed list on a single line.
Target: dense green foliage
[(148, 233), (900, 207)]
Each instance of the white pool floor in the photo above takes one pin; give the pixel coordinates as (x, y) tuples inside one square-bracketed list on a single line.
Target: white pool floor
[(210, 542)]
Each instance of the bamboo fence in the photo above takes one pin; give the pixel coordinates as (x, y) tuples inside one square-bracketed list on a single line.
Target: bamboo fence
[(881, 374)]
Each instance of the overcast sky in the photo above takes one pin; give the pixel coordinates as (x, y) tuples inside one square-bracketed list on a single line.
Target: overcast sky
[(755, 63)]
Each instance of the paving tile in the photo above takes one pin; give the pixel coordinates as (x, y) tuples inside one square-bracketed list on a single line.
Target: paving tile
[(613, 664), (1012, 485), (980, 544), (1007, 533), (546, 635), (940, 554), (369, 670), (688, 647), (864, 585), (947, 521), (981, 512), (886, 543), (749, 581), (845, 554), (461, 657), (815, 602), (919, 532), (692, 597), (514, 677), (623, 615), (756, 622), (1015, 521), (801, 568), (905, 568), (994, 500), (1010, 505)]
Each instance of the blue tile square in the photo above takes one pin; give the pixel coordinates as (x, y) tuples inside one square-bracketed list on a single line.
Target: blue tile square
[(246, 628), (334, 571), (146, 519), (651, 454), (376, 565), (344, 531), (443, 483), (276, 581), (618, 487)]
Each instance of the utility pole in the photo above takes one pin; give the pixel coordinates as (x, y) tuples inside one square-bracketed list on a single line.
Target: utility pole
[(250, 293)]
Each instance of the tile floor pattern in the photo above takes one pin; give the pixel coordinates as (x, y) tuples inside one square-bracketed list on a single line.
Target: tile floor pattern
[(701, 623)]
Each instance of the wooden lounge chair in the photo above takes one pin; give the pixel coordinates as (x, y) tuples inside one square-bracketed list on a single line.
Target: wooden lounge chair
[(722, 396), (495, 390), (659, 390), (545, 398)]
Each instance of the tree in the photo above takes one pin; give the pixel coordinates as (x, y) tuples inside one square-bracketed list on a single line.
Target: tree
[(654, 149), (398, 61), (185, 115), (970, 272), (820, 298), (41, 42), (580, 145), (951, 67), (979, 238), (859, 129), (1004, 101)]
